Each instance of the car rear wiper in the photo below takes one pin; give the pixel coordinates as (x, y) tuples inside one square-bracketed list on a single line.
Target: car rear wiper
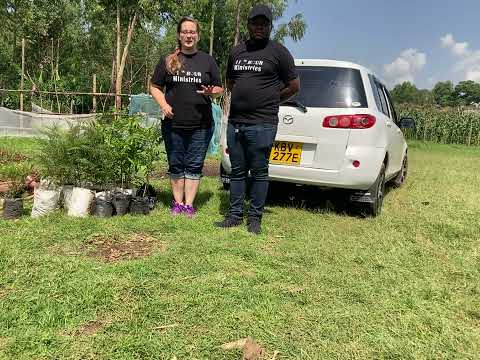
[(295, 103)]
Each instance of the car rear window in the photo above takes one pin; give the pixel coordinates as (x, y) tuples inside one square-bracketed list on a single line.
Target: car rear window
[(331, 87)]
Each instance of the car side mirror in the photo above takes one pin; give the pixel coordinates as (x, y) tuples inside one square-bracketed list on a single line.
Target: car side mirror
[(407, 123)]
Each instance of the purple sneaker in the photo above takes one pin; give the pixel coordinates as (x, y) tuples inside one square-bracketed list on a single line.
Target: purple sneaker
[(189, 211), (177, 208)]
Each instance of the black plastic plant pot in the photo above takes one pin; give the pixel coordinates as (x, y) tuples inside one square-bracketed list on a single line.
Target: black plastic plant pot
[(140, 205), (12, 208), (121, 202), (103, 208)]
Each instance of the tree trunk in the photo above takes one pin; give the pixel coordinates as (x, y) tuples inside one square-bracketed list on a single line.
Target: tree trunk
[(14, 44), (124, 54), (237, 27), (112, 76), (118, 100), (212, 28), (23, 74), (52, 63), (57, 74), (94, 101)]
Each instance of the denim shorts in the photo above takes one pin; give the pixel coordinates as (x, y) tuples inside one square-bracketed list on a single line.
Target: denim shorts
[(186, 150)]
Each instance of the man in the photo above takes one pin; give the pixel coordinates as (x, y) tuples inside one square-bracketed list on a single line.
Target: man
[(260, 74)]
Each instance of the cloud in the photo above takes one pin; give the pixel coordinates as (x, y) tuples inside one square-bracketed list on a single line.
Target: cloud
[(405, 66), (468, 60)]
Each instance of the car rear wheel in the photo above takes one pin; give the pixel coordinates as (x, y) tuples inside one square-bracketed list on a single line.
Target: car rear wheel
[(377, 191), (399, 180)]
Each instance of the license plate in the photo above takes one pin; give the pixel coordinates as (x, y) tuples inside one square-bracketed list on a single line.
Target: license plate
[(284, 152)]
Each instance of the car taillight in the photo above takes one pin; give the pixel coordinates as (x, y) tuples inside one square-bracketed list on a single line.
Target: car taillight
[(358, 121)]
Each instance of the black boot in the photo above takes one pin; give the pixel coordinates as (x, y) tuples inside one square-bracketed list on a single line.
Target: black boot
[(254, 225), (229, 221)]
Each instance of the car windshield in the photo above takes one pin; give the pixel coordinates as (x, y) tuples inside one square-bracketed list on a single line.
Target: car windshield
[(331, 87)]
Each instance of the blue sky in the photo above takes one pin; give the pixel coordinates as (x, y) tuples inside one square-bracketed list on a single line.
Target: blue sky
[(423, 41)]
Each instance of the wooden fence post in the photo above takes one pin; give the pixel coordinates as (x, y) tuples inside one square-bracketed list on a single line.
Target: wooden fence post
[(94, 104)]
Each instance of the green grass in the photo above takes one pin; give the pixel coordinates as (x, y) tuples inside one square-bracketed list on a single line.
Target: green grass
[(18, 144), (315, 284)]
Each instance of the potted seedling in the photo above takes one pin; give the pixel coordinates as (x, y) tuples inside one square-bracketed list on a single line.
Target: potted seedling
[(56, 157), (133, 147), (148, 151), (14, 175)]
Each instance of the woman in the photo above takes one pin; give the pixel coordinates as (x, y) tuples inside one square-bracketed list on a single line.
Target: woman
[(183, 84)]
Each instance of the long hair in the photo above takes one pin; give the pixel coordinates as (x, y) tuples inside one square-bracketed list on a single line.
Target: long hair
[(173, 62)]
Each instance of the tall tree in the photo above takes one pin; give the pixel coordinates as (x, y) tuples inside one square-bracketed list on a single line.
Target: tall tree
[(405, 92), (443, 93), (128, 14), (467, 92)]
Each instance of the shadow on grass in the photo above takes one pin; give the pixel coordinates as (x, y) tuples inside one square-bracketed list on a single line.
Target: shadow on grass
[(310, 198), (315, 199)]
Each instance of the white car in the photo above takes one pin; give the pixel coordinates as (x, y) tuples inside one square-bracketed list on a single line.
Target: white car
[(340, 131)]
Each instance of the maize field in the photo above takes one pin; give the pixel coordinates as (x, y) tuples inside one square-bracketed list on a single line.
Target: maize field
[(446, 126)]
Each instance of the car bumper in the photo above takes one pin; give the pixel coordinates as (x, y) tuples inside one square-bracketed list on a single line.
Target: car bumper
[(347, 177)]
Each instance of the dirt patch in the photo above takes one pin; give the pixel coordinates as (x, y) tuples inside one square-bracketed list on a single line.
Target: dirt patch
[(5, 292), (117, 248), (91, 328), (251, 350), (9, 157), (4, 342)]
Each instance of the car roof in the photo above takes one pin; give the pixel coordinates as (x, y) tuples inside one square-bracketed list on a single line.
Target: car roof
[(335, 63), (327, 62)]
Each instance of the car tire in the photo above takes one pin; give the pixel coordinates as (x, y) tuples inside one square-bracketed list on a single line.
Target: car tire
[(377, 191), (401, 177), (223, 174)]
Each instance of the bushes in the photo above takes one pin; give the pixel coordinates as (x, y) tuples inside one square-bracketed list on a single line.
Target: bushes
[(101, 153)]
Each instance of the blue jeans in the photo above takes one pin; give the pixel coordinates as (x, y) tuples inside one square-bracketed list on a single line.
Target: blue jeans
[(186, 150), (249, 148)]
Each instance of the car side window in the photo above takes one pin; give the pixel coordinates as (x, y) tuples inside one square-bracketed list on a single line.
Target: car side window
[(383, 99), (392, 108), (375, 92), (379, 96)]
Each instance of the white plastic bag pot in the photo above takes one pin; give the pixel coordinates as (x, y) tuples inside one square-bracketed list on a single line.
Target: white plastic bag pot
[(45, 201), (66, 197), (81, 202)]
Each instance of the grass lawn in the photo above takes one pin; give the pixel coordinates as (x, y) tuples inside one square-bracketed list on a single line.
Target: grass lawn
[(315, 285)]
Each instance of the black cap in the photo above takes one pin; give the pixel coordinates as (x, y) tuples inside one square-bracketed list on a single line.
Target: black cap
[(260, 10)]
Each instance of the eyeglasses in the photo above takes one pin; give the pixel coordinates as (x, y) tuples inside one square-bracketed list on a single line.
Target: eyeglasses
[(188, 32)]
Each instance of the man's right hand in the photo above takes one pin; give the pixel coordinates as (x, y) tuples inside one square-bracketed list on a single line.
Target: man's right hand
[(167, 111)]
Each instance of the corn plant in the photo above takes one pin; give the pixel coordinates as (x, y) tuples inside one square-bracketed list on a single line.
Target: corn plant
[(443, 125)]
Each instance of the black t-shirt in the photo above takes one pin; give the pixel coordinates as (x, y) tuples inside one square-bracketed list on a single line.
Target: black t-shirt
[(259, 72), (190, 109)]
